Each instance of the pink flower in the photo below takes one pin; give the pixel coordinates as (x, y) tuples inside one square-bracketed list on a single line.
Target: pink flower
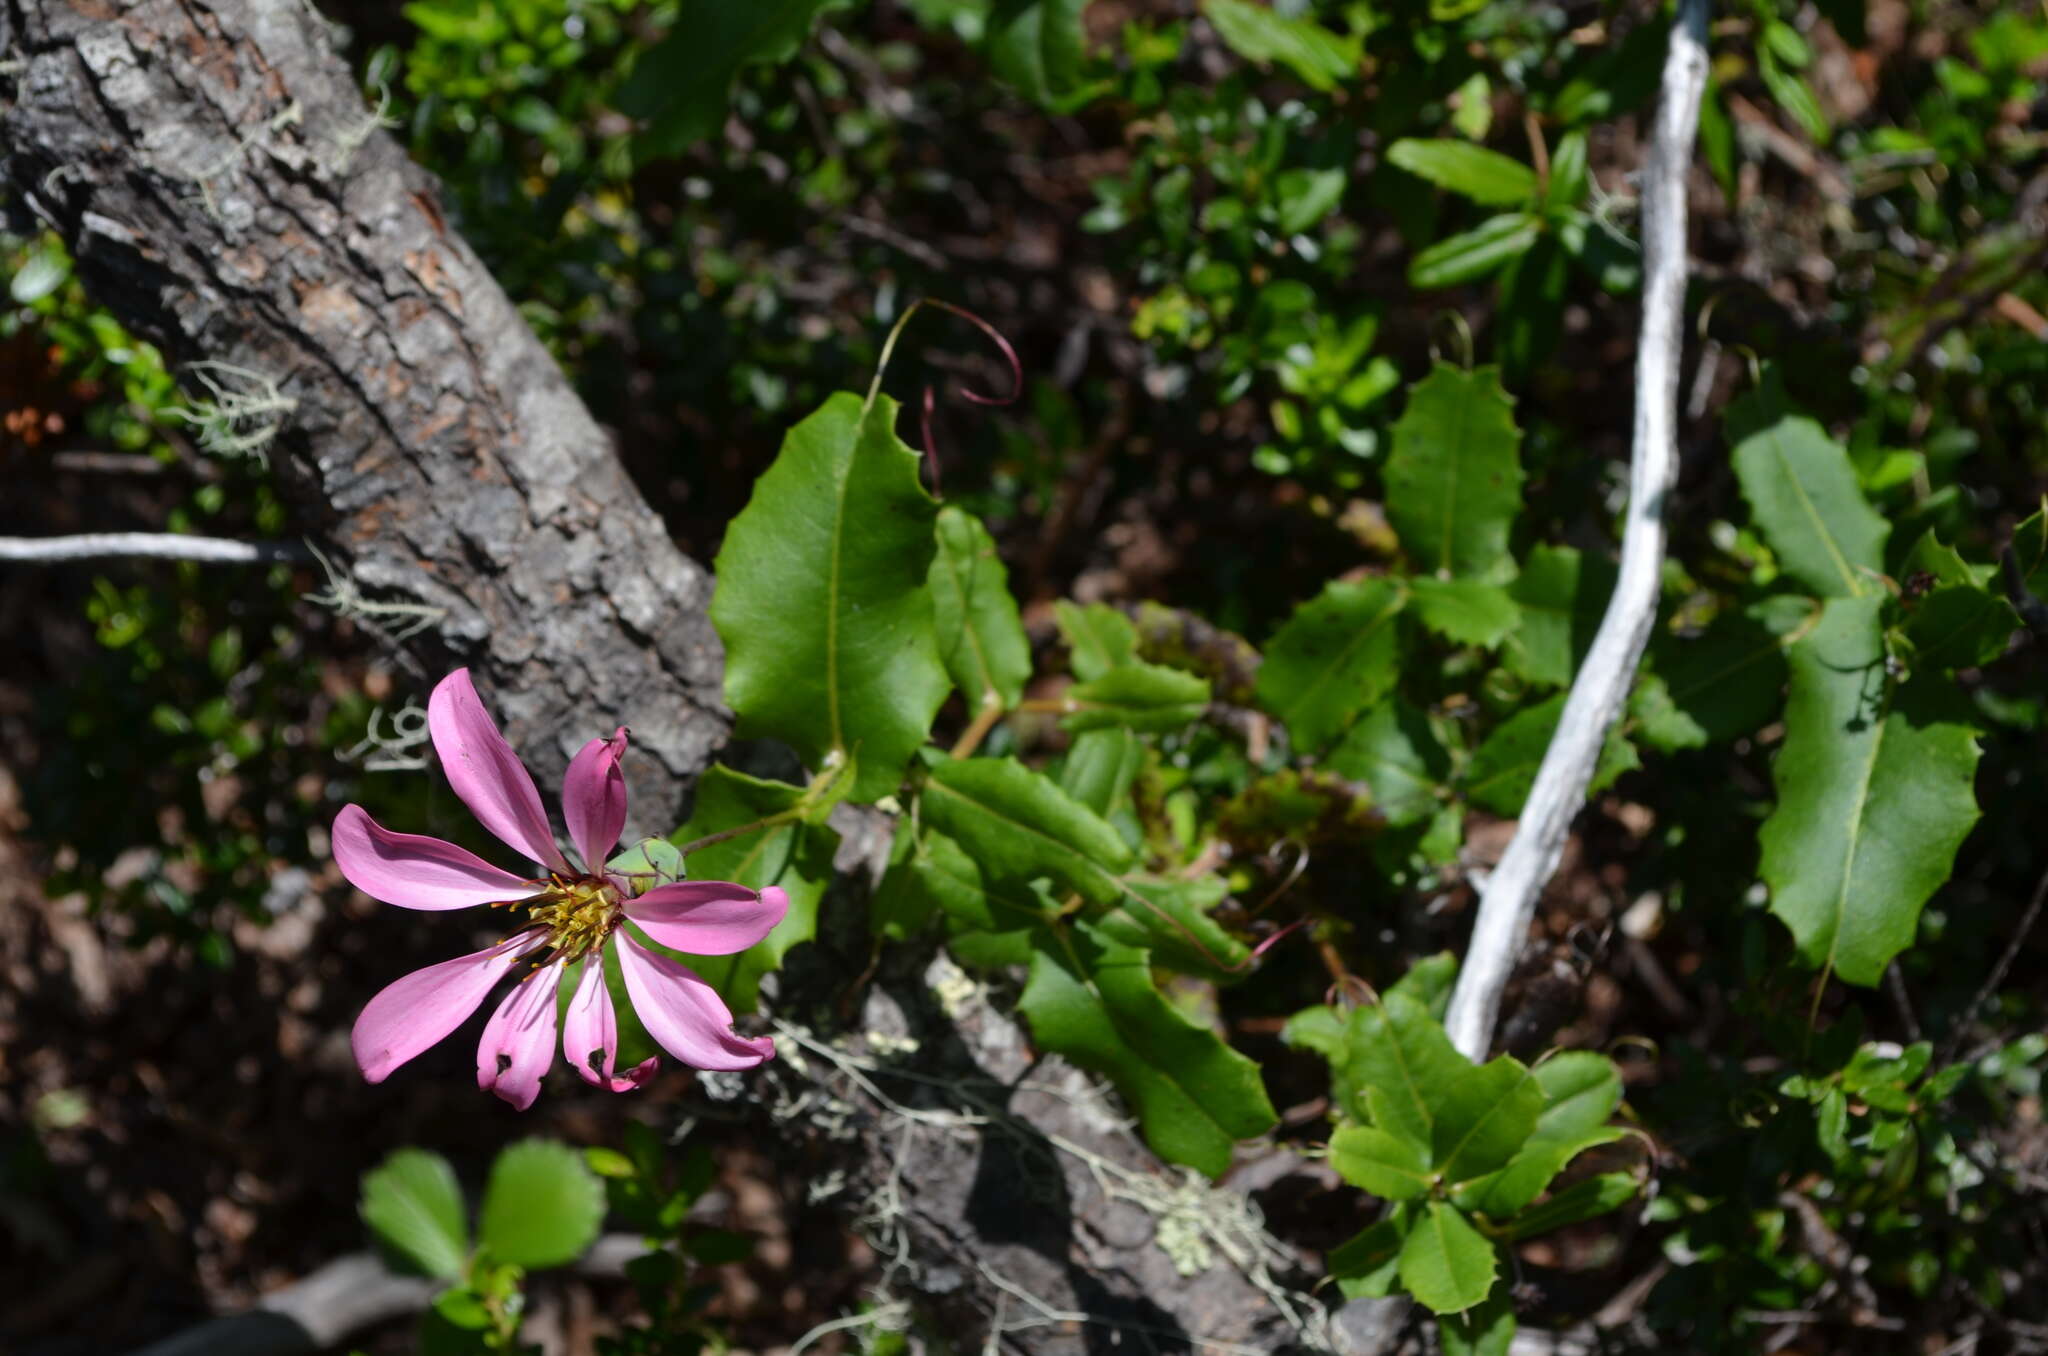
[(573, 917)]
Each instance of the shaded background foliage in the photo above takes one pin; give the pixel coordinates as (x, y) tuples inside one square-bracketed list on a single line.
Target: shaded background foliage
[(1220, 275)]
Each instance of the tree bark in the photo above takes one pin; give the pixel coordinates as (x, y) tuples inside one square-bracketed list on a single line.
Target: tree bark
[(213, 168), (225, 192)]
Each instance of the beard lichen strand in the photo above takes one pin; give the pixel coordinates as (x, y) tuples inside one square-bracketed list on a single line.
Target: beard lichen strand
[(578, 913)]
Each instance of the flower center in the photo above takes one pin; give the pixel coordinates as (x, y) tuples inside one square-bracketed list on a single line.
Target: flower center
[(579, 912)]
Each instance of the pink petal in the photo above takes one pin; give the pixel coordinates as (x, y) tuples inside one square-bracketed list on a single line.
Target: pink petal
[(708, 917), (414, 1013), (414, 871), (590, 1034), (685, 1015), (519, 1040), (486, 773), (594, 799)]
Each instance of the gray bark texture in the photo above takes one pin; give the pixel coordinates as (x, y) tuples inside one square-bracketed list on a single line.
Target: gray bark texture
[(224, 190)]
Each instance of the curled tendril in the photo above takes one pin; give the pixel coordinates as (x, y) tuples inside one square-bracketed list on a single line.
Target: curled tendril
[(929, 400)]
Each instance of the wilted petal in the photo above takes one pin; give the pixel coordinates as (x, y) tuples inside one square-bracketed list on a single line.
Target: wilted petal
[(590, 1034), (594, 799), (414, 1013), (708, 917), (519, 1040), (486, 773), (414, 871), (685, 1015)]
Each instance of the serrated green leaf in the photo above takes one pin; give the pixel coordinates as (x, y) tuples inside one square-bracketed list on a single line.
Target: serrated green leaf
[(1802, 492), (1428, 983), (1321, 58), (1148, 698), (1464, 611), (1401, 1058), (681, 84), (542, 1206), (1474, 254), (1580, 1091), (1099, 638), (1100, 768), (1562, 596), (1486, 177), (414, 1207), (981, 639), (1041, 47), (1482, 1118), (1484, 1330), (1725, 683), (1581, 1200), (1393, 750), (1454, 478), (1446, 1263), (648, 863), (1874, 797), (796, 856), (1171, 917), (1959, 628), (1337, 655), (1388, 1166), (1568, 179), (1365, 1265), (1093, 1002), (1503, 768), (823, 599), (1017, 824)]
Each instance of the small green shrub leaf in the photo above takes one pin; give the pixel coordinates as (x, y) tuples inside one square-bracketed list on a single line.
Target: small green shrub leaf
[(542, 1207)]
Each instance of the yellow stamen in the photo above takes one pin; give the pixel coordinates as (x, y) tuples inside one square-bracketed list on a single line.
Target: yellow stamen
[(579, 912)]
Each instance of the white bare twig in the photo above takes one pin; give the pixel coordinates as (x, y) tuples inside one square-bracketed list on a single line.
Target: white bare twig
[(152, 545), (1509, 902)]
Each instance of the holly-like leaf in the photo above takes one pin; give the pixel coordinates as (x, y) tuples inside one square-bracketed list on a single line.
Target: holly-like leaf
[(1464, 611), (1389, 1166), (681, 84), (1041, 47), (1149, 698), (1874, 797), (1392, 750), (1099, 638), (1366, 1265), (823, 598), (1171, 917), (1802, 491), (1581, 1200), (1017, 824), (1484, 176), (1725, 683), (1454, 477), (1402, 1059), (1092, 1001), (1446, 1263), (414, 1207), (542, 1206), (796, 856), (1482, 1118), (1471, 255), (1562, 596), (981, 640), (1100, 768), (1337, 655), (1503, 768), (1321, 58), (1484, 1330), (1580, 1091)]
